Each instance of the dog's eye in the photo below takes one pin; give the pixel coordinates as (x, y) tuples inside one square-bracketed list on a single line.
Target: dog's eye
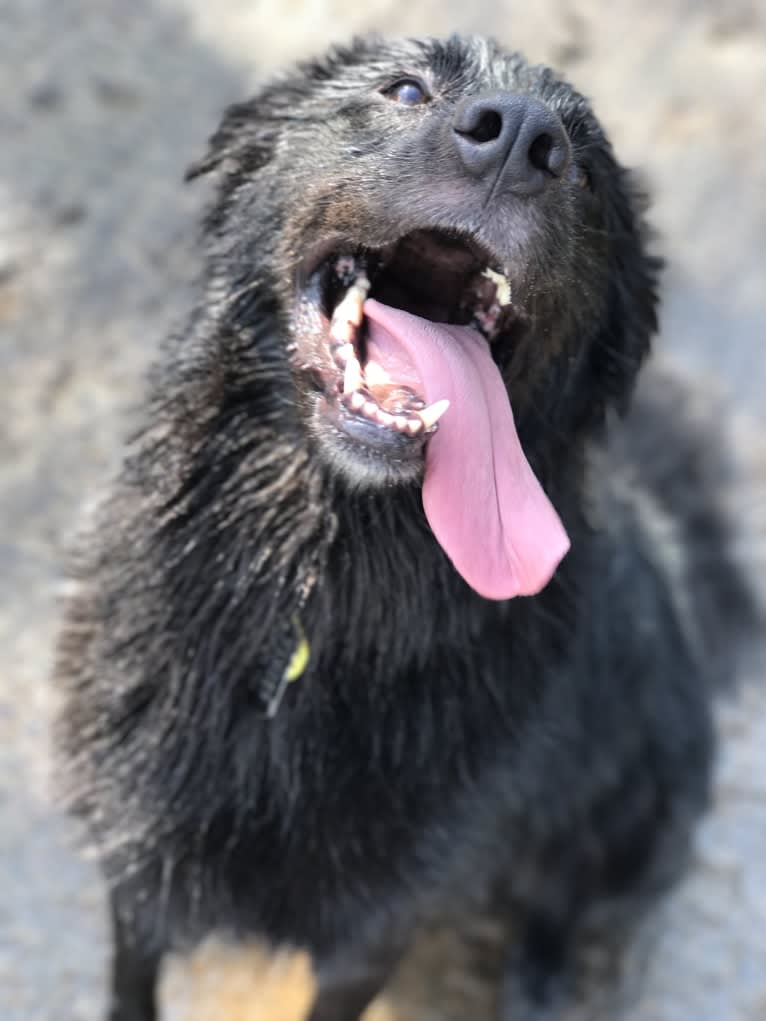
[(407, 91)]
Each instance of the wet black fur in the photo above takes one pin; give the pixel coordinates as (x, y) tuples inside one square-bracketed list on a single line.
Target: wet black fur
[(547, 750)]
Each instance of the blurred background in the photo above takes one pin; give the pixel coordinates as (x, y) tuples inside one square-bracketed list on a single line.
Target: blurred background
[(103, 103)]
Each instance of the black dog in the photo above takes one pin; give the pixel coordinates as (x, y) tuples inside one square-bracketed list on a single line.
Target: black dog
[(301, 700)]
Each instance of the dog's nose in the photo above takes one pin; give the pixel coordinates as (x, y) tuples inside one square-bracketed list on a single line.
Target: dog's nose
[(514, 137)]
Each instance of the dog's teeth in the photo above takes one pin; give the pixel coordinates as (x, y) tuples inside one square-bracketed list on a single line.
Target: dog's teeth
[(344, 353), (357, 401), (350, 308), (385, 418), (414, 426), (370, 409), (502, 286), (400, 423), (349, 312), (375, 374), (352, 377), (342, 332), (361, 286), (430, 416)]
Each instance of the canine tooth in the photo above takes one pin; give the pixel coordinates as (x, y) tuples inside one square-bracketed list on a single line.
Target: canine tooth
[(342, 331), (352, 377), (430, 416), (357, 401), (502, 286), (344, 353), (362, 283), (375, 374), (349, 309)]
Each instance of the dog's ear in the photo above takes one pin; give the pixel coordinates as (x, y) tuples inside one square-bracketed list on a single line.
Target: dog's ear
[(630, 318), (249, 131), (245, 138)]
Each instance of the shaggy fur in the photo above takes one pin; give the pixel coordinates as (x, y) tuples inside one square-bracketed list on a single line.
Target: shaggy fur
[(440, 749)]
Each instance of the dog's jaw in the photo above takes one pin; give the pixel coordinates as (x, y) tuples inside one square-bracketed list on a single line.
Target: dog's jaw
[(372, 421), (369, 404)]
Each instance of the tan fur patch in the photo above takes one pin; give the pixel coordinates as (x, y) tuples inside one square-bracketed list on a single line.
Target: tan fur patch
[(221, 982), (450, 974)]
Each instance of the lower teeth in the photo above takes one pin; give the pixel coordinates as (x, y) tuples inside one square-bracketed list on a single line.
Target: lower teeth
[(346, 320)]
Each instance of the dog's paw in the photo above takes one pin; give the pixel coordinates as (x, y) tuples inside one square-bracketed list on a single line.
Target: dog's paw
[(579, 979), (531, 991)]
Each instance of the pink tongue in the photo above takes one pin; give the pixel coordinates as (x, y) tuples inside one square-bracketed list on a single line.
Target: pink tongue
[(480, 495)]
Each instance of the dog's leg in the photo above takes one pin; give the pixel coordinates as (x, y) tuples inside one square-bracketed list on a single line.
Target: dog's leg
[(135, 968), (348, 982), (630, 854), (538, 972)]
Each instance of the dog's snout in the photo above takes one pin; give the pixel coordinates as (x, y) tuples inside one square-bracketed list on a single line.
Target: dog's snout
[(515, 138)]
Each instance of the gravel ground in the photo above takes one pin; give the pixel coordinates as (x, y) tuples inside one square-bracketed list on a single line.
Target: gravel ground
[(102, 104)]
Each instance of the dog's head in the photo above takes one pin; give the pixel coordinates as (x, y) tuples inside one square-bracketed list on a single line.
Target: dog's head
[(441, 233)]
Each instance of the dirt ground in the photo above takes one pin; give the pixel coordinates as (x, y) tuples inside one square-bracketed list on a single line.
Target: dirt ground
[(102, 105)]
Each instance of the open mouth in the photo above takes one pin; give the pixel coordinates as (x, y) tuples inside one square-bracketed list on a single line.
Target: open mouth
[(404, 345), (438, 277)]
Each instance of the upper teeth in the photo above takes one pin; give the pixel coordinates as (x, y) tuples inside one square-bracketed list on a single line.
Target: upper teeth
[(352, 375), (502, 286), (349, 310)]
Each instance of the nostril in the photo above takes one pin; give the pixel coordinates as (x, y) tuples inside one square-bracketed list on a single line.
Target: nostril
[(487, 128), (548, 154), (517, 137), (540, 151)]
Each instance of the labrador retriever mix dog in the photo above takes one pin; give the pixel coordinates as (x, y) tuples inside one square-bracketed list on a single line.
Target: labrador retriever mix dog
[(388, 610)]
